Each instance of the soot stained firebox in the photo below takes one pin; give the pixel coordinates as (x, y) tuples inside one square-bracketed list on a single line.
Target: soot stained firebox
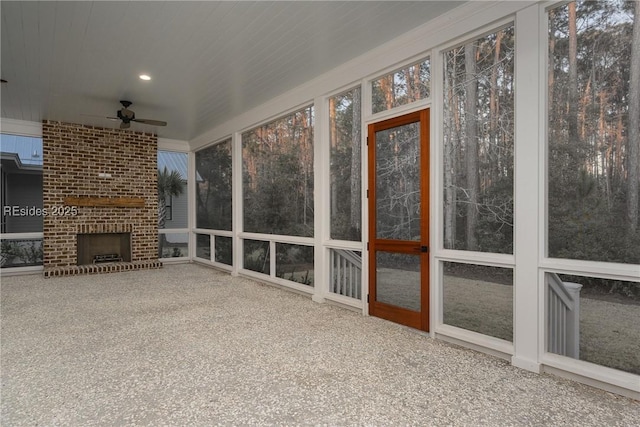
[(97, 248)]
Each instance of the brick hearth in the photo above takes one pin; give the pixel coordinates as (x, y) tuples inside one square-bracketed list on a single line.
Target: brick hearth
[(108, 165)]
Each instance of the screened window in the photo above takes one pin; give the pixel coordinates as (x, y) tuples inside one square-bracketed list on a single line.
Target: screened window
[(478, 144), (593, 132), (172, 189), (172, 204), (203, 246), (401, 87), (345, 138), (277, 182), (295, 263), (213, 187), (223, 250), (595, 320), (479, 298), (256, 256), (21, 200)]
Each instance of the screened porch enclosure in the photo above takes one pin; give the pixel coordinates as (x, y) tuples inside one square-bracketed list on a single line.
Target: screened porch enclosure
[(509, 223), (533, 172)]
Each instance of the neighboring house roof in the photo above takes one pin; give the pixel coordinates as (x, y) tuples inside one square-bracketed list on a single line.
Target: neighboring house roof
[(24, 150), (21, 154), (175, 161)]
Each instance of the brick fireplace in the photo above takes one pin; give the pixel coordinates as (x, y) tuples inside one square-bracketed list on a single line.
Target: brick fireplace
[(98, 181)]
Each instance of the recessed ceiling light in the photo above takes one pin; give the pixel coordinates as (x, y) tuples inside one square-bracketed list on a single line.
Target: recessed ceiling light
[(145, 77)]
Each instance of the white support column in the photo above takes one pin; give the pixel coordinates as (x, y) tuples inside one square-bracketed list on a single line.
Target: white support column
[(236, 200), (435, 191), (528, 308), (191, 203), (322, 208)]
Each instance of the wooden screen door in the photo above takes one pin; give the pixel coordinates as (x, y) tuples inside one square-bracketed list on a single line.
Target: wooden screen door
[(399, 219)]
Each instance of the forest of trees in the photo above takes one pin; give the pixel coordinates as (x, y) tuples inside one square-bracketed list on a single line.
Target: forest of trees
[(346, 158), (478, 144), (277, 176), (398, 196), (397, 158), (594, 131), (402, 87), (213, 183)]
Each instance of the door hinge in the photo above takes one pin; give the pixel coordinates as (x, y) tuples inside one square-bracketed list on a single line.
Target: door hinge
[(367, 140), (367, 298), (367, 245), (367, 193), (424, 248)]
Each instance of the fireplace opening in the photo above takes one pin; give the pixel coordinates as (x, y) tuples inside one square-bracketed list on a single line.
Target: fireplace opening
[(99, 248)]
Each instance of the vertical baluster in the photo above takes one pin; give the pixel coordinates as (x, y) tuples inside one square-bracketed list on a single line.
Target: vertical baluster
[(350, 278), (553, 322), (340, 288), (563, 330), (345, 288), (332, 280), (556, 324)]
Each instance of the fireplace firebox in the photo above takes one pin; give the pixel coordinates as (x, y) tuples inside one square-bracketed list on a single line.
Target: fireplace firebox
[(96, 248)]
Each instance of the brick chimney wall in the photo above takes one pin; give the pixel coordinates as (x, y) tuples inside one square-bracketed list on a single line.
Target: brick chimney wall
[(75, 156)]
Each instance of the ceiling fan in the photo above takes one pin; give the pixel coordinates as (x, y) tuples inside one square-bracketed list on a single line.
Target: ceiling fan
[(127, 116)]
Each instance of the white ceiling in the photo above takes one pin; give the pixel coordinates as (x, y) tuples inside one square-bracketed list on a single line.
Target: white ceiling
[(209, 61)]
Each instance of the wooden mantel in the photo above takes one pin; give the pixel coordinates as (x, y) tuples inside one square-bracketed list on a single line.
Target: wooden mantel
[(125, 202)]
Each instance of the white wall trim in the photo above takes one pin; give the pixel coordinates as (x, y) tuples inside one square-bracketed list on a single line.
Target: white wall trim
[(21, 127), (165, 144), (597, 372)]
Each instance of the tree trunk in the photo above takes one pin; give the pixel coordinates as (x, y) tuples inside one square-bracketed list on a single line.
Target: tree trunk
[(333, 140), (162, 216), (634, 124), (551, 70), (471, 153), (573, 78), (494, 116), (356, 172), (603, 144), (386, 85), (451, 122)]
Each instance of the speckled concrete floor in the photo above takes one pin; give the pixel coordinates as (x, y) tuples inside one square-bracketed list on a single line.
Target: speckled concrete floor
[(187, 345)]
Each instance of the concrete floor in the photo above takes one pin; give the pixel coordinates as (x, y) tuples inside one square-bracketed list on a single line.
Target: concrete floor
[(187, 345)]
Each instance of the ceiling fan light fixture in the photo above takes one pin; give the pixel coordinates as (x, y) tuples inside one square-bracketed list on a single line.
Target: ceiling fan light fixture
[(145, 77), (127, 116)]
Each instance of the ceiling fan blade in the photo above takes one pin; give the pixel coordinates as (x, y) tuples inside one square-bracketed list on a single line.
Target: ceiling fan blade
[(125, 125), (112, 118), (150, 122)]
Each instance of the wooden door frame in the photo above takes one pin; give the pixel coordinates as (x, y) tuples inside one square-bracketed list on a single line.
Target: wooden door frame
[(417, 320)]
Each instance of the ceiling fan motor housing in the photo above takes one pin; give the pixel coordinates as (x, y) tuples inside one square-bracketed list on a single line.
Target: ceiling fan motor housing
[(126, 115)]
